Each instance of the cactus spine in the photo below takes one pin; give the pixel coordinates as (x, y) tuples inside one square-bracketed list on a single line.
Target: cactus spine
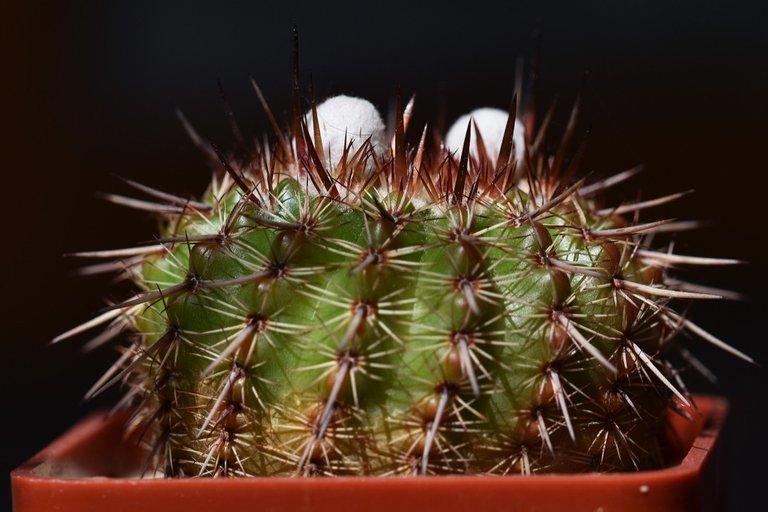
[(342, 304)]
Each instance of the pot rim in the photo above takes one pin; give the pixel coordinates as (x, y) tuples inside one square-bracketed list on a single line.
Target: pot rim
[(693, 441)]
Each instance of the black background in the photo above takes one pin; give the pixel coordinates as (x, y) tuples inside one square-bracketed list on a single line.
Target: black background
[(90, 90)]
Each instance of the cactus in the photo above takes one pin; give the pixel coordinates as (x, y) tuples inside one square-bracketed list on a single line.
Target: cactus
[(339, 303)]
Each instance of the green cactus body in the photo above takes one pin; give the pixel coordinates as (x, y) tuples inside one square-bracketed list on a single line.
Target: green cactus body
[(411, 312)]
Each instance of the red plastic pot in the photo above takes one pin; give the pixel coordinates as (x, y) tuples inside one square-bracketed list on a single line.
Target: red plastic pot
[(89, 468)]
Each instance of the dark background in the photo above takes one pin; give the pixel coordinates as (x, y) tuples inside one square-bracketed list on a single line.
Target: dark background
[(90, 90)]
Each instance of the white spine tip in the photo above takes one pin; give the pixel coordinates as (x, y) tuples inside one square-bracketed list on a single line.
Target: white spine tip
[(490, 122)]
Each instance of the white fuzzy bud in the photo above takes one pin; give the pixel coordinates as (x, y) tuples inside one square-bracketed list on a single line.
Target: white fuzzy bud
[(490, 122), (346, 120)]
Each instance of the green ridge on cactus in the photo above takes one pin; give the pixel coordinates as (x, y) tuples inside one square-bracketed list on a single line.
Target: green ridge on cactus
[(397, 310)]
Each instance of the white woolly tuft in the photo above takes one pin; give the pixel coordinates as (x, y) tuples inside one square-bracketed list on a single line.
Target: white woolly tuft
[(346, 118), (491, 123)]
